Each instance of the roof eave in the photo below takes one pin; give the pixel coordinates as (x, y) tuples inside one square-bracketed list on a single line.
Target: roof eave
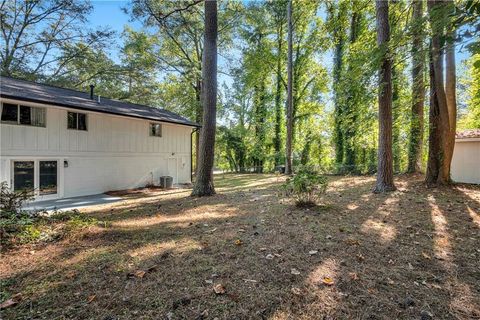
[(12, 97)]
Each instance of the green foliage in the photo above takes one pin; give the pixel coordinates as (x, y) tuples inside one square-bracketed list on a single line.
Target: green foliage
[(11, 201), (306, 187), (471, 118), (335, 103), (31, 227)]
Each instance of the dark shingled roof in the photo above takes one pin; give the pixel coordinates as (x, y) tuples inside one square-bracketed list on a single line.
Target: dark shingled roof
[(468, 134), (34, 92)]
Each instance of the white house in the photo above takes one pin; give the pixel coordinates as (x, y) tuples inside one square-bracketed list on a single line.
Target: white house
[(66, 143), (466, 157)]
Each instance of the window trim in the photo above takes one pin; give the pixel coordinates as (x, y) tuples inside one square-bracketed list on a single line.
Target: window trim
[(18, 115), (150, 124), (76, 127)]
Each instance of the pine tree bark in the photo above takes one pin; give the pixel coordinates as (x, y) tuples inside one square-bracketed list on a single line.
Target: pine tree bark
[(441, 123), (289, 142), (385, 161), (415, 149), (451, 94), (434, 139), (204, 183)]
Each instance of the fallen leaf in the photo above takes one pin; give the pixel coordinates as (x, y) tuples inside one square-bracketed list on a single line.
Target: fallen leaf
[(327, 281), (139, 273), (219, 289), (91, 298), (14, 300)]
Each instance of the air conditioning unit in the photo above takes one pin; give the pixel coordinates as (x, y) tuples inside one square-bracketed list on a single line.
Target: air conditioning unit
[(166, 182)]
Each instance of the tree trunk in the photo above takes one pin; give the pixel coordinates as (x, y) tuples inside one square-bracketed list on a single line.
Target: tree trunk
[(350, 130), (204, 183), (260, 114), (288, 162), (337, 77), (277, 141), (434, 139), (443, 126), (385, 163), (397, 160), (451, 95), (418, 92), (198, 119)]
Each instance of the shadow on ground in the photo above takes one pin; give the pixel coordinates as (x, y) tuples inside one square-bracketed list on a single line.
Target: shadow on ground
[(405, 255)]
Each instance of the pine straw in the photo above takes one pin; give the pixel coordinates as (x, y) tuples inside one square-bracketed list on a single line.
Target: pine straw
[(390, 256)]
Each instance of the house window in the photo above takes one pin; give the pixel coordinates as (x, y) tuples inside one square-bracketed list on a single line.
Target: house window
[(77, 121), (24, 115), (155, 130)]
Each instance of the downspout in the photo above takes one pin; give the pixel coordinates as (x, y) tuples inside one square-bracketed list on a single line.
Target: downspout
[(191, 153)]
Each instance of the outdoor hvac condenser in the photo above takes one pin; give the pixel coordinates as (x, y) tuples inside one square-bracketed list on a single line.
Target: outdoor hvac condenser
[(166, 182)]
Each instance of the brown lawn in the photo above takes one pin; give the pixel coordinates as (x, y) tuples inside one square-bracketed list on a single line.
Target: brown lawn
[(411, 254)]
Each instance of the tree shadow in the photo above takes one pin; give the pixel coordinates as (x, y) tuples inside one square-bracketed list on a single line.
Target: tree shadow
[(380, 251)]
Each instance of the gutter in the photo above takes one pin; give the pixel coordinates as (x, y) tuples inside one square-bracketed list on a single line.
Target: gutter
[(64, 105)]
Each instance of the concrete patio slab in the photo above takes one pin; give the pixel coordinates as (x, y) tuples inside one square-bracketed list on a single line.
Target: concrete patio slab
[(66, 204)]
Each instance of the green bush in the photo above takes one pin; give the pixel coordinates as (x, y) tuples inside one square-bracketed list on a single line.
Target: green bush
[(306, 187), (11, 201), (22, 227)]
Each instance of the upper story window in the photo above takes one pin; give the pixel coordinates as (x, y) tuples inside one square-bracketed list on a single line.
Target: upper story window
[(155, 130), (24, 115), (77, 121)]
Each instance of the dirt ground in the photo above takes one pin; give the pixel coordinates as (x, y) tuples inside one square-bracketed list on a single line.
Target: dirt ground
[(410, 254)]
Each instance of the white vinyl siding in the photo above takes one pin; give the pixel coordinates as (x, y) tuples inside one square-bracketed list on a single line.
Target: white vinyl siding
[(465, 165), (115, 153)]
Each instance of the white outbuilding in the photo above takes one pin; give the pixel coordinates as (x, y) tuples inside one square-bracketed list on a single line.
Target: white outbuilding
[(465, 166), (66, 143)]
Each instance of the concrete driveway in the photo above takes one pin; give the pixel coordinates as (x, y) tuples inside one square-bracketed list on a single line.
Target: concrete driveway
[(66, 204)]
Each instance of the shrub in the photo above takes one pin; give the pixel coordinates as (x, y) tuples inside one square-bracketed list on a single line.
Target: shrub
[(11, 201), (25, 227), (306, 187)]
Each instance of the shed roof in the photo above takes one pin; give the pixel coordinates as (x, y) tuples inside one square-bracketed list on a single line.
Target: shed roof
[(17, 89), (468, 134)]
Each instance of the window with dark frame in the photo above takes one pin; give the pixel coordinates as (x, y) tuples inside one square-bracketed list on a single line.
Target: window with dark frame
[(23, 115), (155, 130), (77, 121)]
